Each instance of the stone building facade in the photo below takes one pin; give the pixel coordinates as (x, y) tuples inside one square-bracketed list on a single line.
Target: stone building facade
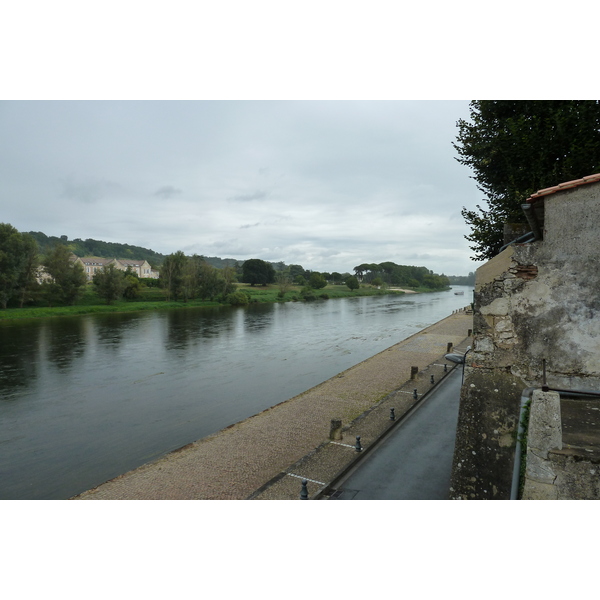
[(536, 329)]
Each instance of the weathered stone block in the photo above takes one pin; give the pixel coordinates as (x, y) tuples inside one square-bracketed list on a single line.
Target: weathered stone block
[(545, 426)]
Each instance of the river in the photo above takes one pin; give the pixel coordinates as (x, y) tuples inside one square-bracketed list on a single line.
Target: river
[(84, 399)]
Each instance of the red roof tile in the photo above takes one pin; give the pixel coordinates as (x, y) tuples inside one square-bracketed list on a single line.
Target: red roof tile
[(564, 186)]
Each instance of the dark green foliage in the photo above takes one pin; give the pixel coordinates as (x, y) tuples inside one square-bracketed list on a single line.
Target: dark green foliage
[(238, 298), (172, 275), (257, 272), (18, 262), (516, 148), (133, 287), (91, 247), (317, 281), (308, 294), (402, 275), (352, 282), (67, 278), (110, 283)]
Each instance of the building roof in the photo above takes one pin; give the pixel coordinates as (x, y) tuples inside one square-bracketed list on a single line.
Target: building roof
[(135, 263), (95, 260), (563, 186)]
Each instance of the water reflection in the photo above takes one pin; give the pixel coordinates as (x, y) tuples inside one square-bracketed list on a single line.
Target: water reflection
[(64, 341), (187, 328), (19, 357)]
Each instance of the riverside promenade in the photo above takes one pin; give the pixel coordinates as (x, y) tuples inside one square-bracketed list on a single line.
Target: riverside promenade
[(268, 455)]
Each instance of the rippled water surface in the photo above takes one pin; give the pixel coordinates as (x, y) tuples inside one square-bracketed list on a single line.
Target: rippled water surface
[(87, 398)]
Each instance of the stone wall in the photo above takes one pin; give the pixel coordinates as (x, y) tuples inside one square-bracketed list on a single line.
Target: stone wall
[(536, 305)]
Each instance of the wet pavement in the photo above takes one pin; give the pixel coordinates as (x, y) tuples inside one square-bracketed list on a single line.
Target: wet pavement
[(414, 461)]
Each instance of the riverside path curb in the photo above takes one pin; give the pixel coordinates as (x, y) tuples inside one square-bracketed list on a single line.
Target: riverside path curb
[(252, 458), (331, 460)]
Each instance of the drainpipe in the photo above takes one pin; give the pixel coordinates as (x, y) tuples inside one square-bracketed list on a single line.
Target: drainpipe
[(525, 398), (532, 220)]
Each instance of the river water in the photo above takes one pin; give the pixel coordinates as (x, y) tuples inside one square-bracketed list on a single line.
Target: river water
[(84, 399)]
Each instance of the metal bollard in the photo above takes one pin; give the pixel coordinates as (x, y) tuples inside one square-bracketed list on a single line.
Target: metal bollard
[(358, 447), (432, 380), (392, 415), (445, 368), (415, 395), (304, 490)]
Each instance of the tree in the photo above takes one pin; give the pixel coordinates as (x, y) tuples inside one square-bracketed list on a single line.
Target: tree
[(190, 276), (352, 282), (67, 277), (18, 262), (110, 283), (516, 148), (214, 283), (171, 274), (317, 281), (27, 283), (133, 286), (257, 271), (284, 282)]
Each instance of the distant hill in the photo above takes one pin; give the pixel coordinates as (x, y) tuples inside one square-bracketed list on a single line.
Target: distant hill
[(221, 263), (462, 279), (91, 247)]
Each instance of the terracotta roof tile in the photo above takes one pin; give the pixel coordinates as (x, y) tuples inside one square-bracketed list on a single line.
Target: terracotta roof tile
[(564, 186)]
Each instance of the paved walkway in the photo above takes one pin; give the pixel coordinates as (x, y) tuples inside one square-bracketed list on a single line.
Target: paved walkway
[(414, 462), (253, 458)]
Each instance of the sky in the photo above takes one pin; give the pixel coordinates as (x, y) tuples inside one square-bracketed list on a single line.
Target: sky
[(324, 184)]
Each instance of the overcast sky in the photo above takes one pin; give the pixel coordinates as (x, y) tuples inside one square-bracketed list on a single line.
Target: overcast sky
[(324, 184), (267, 159)]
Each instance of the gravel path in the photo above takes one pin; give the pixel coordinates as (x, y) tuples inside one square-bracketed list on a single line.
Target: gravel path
[(237, 461)]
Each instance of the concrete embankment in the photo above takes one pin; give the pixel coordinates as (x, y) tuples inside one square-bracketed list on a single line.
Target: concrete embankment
[(257, 457)]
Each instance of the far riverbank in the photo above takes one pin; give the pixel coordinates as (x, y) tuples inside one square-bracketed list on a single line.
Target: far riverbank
[(152, 301)]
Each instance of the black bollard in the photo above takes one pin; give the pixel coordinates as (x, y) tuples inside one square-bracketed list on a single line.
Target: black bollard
[(358, 447), (415, 395), (392, 415), (304, 490), (445, 368), (432, 380)]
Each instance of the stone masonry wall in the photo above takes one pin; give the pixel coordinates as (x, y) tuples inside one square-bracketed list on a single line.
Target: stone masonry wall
[(533, 303)]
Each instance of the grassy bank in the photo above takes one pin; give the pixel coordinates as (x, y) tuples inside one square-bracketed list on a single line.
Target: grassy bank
[(155, 299)]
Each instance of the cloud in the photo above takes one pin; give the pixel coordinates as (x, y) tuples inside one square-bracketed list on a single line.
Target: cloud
[(167, 191), (249, 226), (88, 192), (249, 197)]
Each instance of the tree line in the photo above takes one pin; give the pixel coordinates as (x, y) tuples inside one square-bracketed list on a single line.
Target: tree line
[(53, 277), (400, 275)]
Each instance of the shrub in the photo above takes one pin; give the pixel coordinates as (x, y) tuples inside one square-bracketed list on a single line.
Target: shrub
[(352, 283), (238, 298)]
